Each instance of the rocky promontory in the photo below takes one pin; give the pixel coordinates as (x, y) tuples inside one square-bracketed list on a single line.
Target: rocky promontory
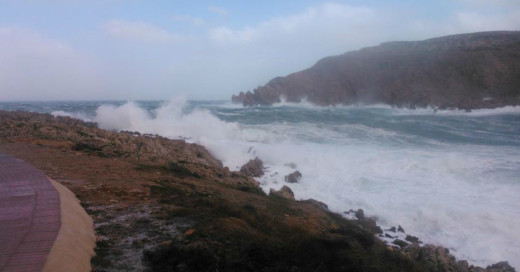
[(466, 71)]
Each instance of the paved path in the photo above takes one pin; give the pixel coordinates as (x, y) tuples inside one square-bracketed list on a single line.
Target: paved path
[(29, 216)]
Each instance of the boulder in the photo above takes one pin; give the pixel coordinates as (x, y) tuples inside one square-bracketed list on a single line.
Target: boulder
[(436, 258), (367, 222), (412, 239), (360, 214), (294, 177), (253, 168), (284, 192)]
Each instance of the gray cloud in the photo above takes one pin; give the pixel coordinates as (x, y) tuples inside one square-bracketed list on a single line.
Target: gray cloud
[(36, 68)]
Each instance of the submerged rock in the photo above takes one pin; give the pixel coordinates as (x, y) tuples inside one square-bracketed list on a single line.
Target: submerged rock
[(253, 168), (294, 177)]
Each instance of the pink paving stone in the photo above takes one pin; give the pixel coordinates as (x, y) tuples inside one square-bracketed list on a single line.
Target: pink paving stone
[(29, 216)]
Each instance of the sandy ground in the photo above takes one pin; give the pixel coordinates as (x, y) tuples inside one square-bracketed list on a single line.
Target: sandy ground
[(74, 245)]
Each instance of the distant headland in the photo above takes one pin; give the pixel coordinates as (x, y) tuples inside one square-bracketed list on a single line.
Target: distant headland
[(465, 71)]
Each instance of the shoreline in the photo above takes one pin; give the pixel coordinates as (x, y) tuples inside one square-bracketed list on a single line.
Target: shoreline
[(185, 183)]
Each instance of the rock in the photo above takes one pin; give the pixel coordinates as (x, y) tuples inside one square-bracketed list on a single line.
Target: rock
[(366, 222), (399, 228), (402, 244), (253, 168), (318, 204), (294, 177), (392, 229), (360, 214), (189, 232), (284, 192), (412, 239), (435, 258), (500, 267), (466, 71)]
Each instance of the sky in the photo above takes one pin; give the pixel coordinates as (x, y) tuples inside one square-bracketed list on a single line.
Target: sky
[(198, 49)]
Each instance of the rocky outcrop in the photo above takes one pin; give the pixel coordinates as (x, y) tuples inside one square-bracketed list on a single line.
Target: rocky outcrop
[(253, 168), (293, 177), (284, 192), (439, 259), (434, 258), (367, 223), (86, 137), (467, 71)]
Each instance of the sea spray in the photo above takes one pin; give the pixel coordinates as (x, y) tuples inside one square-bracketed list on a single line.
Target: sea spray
[(448, 177)]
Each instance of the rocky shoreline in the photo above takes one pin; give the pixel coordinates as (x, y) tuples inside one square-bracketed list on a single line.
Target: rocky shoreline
[(160, 205)]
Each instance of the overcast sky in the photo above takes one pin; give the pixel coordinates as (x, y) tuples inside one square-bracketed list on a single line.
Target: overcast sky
[(148, 50)]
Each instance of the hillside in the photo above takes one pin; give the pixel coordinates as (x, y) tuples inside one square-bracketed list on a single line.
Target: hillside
[(466, 71)]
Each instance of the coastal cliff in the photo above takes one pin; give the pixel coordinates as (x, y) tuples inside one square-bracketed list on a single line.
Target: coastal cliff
[(466, 71), (168, 205)]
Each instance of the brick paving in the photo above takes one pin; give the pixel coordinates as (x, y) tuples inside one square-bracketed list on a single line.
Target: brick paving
[(29, 216)]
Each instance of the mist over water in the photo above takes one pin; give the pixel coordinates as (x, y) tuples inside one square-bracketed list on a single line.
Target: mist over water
[(450, 178)]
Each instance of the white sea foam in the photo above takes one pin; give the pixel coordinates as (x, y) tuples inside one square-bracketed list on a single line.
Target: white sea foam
[(453, 112), (76, 115), (464, 197)]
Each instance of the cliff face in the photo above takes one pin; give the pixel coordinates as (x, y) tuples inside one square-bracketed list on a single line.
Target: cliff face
[(467, 71)]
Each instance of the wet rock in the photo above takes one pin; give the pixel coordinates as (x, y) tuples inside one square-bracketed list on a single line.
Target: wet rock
[(360, 214), (253, 168), (435, 258), (367, 223), (284, 192), (294, 177), (399, 228), (412, 239), (400, 243)]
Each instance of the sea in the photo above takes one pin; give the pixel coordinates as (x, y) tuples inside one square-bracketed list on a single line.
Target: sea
[(450, 177)]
